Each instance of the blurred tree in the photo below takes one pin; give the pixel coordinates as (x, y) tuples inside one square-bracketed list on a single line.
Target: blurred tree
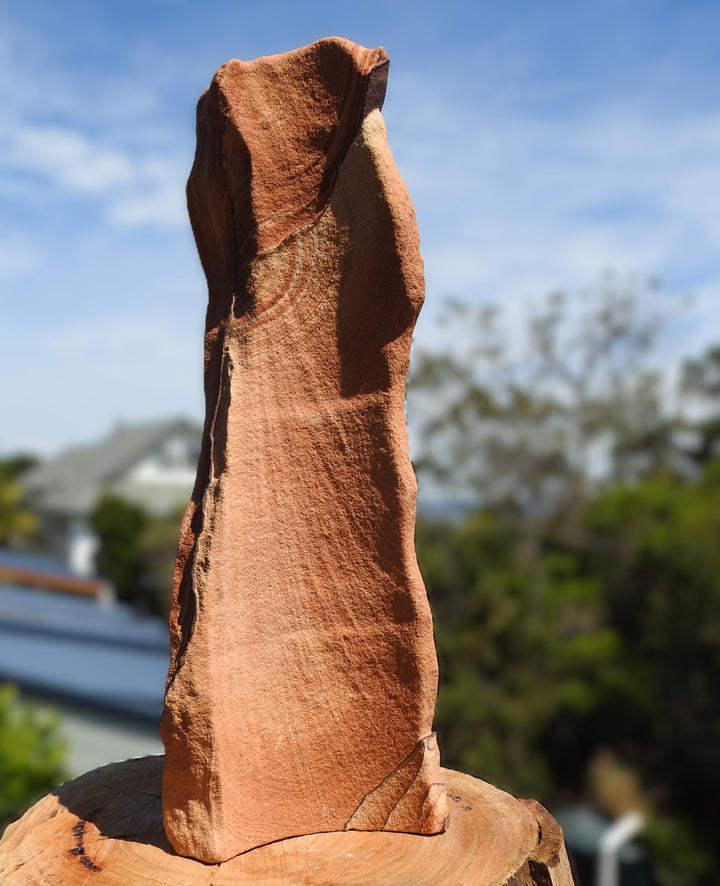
[(119, 525), (526, 654), (13, 466), (548, 660), (527, 414), (158, 549), (655, 548), (16, 521), (701, 390), (137, 552), (577, 598), (31, 753)]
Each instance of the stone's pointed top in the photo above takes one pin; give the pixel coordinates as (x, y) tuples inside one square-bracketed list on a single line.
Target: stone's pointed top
[(363, 59), (284, 124)]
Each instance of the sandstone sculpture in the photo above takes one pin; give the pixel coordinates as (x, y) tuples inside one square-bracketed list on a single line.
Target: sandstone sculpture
[(303, 675)]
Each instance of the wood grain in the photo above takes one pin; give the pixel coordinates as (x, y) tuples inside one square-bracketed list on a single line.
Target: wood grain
[(106, 828)]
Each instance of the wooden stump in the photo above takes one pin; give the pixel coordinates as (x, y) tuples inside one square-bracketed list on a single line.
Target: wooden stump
[(106, 828)]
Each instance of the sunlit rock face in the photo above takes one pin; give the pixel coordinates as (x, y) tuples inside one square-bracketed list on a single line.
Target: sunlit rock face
[(303, 676)]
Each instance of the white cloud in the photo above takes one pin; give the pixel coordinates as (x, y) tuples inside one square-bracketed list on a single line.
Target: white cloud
[(137, 188), (69, 159), (164, 206), (101, 139)]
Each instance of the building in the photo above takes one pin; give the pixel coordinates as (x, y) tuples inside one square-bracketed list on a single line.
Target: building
[(152, 465), (100, 664)]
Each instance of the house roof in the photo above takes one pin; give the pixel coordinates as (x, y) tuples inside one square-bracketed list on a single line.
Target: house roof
[(32, 570), (98, 655), (70, 483)]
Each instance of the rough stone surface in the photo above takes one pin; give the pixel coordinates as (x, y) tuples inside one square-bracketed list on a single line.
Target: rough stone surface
[(303, 674)]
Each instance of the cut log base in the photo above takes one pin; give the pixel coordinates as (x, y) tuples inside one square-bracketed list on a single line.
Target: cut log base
[(106, 828)]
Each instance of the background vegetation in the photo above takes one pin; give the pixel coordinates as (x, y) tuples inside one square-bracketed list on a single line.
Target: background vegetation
[(576, 592), (31, 753), (137, 552)]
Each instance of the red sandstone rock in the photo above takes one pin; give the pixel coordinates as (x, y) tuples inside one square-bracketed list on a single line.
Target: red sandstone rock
[(303, 676)]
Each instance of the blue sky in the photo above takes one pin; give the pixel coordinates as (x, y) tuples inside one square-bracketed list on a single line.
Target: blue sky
[(541, 143)]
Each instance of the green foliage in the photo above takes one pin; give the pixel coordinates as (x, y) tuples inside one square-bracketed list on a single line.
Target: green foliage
[(550, 654), (31, 753), (701, 385), (13, 466), (679, 860), (577, 604), (655, 547), (119, 525), (16, 521), (523, 647), (158, 549), (137, 552)]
